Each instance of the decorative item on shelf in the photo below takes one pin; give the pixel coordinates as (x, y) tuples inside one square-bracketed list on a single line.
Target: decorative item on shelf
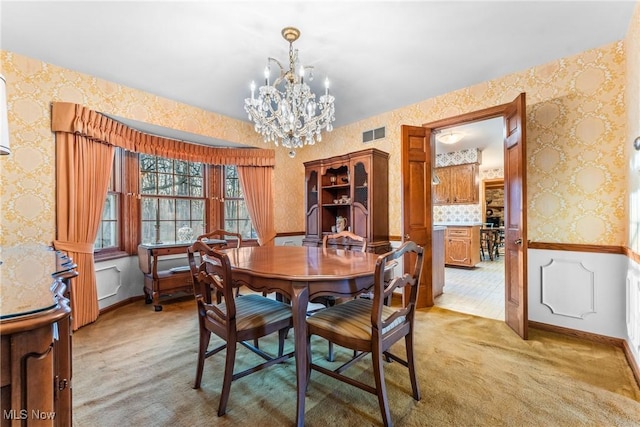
[(185, 233), (341, 223), (364, 184), (336, 201), (287, 110), (345, 199), (332, 179), (313, 189)]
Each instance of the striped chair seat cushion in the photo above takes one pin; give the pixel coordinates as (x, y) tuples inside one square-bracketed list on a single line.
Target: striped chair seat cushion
[(253, 311), (351, 319)]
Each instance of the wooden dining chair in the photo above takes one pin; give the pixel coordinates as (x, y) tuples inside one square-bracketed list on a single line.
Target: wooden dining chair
[(234, 242), (235, 320), (370, 326), (219, 234), (345, 239)]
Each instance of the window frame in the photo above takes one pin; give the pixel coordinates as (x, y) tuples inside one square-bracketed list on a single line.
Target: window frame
[(173, 197), (116, 186), (249, 241)]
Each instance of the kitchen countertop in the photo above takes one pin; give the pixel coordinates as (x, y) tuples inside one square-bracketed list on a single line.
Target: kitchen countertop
[(457, 224)]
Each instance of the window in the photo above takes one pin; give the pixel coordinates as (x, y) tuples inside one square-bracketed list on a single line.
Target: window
[(172, 199), (236, 215), (154, 199), (108, 231), (108, 236)]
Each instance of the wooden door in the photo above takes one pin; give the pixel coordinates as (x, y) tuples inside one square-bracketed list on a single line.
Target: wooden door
[(515, 224), (417, 221)]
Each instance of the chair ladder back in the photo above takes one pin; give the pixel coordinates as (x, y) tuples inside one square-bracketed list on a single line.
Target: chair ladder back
[(221, 234), (200, 290), (217, 274), (383, 289), (347, 238)]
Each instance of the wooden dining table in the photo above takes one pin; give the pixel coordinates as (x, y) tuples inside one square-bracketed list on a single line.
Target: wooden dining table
[(302, 273)]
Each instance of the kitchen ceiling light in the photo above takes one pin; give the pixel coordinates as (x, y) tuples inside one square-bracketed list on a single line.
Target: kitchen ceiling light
[(450, 137)]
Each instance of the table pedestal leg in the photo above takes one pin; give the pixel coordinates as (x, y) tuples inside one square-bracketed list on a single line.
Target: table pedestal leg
[(299, 302)]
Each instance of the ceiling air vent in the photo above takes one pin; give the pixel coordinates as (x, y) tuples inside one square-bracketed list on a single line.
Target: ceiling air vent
[(372, 135)]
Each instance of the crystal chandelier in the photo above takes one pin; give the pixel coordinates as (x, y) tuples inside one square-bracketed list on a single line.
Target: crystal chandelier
[(286, 111)]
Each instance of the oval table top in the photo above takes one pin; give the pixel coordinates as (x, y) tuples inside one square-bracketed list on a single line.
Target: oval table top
[(302, 263)]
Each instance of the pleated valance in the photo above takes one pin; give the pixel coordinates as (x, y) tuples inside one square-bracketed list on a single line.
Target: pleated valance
[(77, 119)]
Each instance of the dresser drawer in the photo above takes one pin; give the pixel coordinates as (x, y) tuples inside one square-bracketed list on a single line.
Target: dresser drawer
[(458, 231)]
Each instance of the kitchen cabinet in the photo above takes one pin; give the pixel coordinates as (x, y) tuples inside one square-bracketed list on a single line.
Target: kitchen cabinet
[(458, 185), (437, 241), (462, 246), (353, 186)]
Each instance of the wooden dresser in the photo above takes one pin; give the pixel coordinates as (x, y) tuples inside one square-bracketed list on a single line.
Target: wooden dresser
[(35, 333)]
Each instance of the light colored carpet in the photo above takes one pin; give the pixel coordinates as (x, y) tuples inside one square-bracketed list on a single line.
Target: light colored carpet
[(136, 367)]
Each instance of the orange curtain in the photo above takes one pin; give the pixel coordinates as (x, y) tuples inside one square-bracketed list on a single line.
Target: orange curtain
[(83, 168), (257, 186)]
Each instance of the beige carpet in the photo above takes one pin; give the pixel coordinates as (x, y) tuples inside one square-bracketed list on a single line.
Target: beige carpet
[(135, 366)]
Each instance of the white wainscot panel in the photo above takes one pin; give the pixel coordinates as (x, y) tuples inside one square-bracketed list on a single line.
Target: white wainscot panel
[(584, 291), (633, 308), (108, 281), (568, 288)]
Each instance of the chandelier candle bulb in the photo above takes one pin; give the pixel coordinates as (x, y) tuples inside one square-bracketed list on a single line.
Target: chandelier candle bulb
[(253, 90), (326, 86)]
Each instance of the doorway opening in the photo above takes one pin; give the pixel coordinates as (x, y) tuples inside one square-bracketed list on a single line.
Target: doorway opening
[(479, 290)]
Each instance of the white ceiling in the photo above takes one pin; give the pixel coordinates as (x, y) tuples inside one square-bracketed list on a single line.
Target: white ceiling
[(379, 55)]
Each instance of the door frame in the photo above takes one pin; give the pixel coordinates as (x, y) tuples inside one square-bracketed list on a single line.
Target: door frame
[(503, 111)]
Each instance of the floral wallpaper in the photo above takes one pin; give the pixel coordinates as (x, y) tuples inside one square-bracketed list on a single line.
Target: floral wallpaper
[(27, 211), (576, 134), (576, 191)]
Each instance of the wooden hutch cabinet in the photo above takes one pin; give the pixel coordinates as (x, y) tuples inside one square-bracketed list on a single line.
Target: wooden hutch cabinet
[(458, 185), (35, 333), (354, 186)]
